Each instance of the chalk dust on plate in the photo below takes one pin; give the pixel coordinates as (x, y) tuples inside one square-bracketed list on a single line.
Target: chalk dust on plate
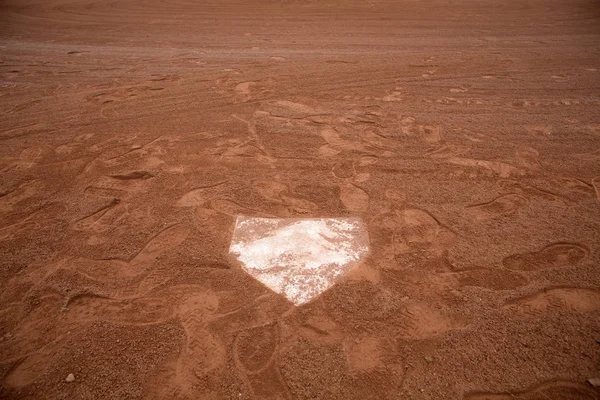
[(299, 258)]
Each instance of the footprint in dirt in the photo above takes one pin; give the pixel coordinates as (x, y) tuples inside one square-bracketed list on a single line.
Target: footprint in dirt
[(33, 343), (580, 187), (131, 152), (493, 279), (245, 149), (504, 205), (100, 220), (527, 157), (564, 298), (365, 307), (117, 187), (31, 367), (504, 170), (243, 91), (104, 283), (596, 184), (26, 160), (314, 371), (424, 321), (256, 354), (449, 151), (343, 169), (589, 156), (347, 170), (399, 231), (427, 132), (228, 208), (316, 327), (122, 93), (540, 130), (281, 194), (419, 231), (530, 191), (293, 111), (326, 197), (195, 373), (251, 146), (369, 353), (554, 389), (393, 96), (354, 198), (344, 140), (373, 358), (203, 352), (556, 255), (200, 195), (165, 240), (44, 215), (79, 311), (25, 191), (120, 279), (137, 312)]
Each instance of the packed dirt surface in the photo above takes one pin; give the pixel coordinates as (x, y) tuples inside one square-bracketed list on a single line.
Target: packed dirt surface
[(464, 133)]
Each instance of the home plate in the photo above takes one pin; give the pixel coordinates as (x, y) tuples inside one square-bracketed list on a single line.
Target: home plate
[(299, 258)]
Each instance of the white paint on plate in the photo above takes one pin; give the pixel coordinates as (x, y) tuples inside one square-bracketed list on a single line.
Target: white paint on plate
[(299, 258)]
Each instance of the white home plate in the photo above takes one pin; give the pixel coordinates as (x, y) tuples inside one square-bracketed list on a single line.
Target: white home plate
[(299, 258)]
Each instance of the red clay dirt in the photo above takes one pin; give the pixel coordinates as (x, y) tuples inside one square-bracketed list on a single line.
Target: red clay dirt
[(466, 134)]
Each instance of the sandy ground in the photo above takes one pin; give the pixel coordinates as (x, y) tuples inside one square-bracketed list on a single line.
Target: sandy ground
[(466, 134)]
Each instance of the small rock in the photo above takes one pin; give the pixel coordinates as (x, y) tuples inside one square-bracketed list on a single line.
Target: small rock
[(595, 382), (70, 378), (429, 359)]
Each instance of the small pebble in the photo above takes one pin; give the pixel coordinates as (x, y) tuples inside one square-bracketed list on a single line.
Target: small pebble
[(70, 378), (429, 359)]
